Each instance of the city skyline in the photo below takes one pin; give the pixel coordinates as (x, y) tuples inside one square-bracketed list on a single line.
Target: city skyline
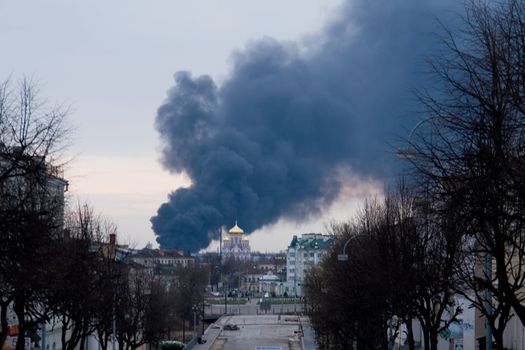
[(113, 63)]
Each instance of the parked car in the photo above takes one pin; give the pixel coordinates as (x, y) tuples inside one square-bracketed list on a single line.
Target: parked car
[(230, 327)]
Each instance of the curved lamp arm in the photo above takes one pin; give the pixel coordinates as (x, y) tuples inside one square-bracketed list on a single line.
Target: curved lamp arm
[(344, 256), (409, 152)]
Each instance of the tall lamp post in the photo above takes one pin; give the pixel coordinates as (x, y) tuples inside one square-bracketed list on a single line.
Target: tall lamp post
[(225, 299), (410, 153), (344, 257), (194, 309), (220, 275), (239, 274), (202, 319)]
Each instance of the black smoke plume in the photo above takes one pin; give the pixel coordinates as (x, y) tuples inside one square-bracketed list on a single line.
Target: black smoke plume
[(272, 140)]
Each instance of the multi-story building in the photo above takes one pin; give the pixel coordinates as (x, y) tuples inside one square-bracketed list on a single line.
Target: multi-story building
[(302, 254)]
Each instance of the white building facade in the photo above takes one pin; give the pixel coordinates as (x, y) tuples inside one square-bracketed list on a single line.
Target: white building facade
[(302, 254)]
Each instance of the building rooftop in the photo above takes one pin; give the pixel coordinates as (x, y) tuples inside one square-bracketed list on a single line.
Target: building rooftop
[(311, 241), (159, 253)]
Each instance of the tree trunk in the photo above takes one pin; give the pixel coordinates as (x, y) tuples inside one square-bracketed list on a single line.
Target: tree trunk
[(3, 323), (426, 338), (63, 333), (386, 334), (410, 335), (433, 340), (75, 335), (19, 309), (82, 344), (184, 331), (497, 334), (103, 339)]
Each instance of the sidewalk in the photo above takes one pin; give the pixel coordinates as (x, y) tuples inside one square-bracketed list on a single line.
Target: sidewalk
[(211, 334), (309, 336)]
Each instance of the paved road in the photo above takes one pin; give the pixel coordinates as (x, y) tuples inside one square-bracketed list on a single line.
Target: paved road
[(258, 330)]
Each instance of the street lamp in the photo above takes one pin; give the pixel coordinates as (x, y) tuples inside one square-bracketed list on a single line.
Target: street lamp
[(203, 317), (239, 274), (410, 152), (225, 298), (344, 256), (194, 309)]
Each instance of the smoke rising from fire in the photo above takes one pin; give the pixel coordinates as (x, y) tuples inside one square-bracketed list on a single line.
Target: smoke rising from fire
[(272, 140)]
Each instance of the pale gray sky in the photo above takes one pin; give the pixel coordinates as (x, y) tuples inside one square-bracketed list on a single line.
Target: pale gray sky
[(112, 62)]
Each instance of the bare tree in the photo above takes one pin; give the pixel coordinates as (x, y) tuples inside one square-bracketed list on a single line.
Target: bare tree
[(31, 200), (401, 267), (187, 290), (134, 304), (30, 129), (159, 316), (347, 301), (81, 272), (469, 152)]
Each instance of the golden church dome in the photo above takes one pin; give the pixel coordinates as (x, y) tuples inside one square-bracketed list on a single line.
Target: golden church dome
[(236, 229)]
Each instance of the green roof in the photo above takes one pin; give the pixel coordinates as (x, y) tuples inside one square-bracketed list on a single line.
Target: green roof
[(312, 241)]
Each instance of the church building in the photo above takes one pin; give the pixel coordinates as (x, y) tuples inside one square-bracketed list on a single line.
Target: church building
[(236, 244)]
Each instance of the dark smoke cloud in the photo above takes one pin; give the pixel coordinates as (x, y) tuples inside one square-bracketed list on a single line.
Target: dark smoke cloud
[(271, 141)]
